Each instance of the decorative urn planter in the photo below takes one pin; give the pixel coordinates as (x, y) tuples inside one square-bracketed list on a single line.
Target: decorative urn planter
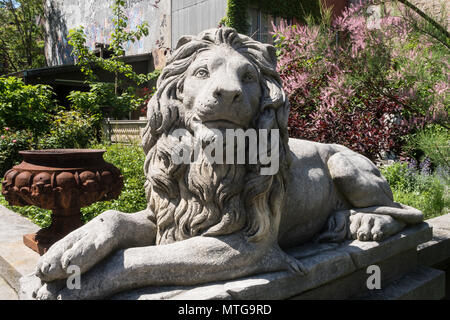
[(61, 180)]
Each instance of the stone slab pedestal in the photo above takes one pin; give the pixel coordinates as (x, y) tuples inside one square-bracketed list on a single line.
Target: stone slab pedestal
[(423, 283), (436, 252), (334, 272)]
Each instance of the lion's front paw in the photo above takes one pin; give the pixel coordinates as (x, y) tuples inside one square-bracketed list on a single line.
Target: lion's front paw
[(49, 291), (50, 266), (376, 227), (83, 247)]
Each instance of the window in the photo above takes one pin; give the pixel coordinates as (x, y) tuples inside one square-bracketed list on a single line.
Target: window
[(261, 25)]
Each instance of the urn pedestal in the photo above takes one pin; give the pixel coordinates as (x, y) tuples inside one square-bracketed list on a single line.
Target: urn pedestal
[(61, 180)]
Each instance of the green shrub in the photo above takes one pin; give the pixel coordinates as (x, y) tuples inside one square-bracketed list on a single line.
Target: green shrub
[(424, 192), (130, 160), (432, 142), (102, 102), (399, 176), (11, 142), (366, 88), (39, 216), (26, 107), (69, 129)]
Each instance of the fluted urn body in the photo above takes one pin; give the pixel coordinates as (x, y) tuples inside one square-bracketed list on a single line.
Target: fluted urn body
[(61, 180)]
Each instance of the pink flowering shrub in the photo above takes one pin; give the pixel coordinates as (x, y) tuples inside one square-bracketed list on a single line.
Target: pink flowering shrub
[(362, 86)]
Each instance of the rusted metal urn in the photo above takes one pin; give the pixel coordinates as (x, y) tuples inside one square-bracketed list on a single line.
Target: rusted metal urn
[(62, 180)]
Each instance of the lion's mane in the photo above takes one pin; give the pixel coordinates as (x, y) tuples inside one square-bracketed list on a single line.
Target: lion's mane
[(212, 199)]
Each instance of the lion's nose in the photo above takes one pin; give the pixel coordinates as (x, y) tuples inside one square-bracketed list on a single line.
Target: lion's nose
[(227, 93)]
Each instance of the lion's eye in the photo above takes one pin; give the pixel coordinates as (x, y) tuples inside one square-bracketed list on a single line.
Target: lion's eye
[(202, 73)]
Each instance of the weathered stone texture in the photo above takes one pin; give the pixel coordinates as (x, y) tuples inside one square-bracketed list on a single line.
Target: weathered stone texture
[(334, 272), (437, 250), (15, 258), (423, 284)]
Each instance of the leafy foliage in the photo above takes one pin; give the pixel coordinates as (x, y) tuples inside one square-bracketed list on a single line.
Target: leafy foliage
[(21, 35), (11, 142), (130, 160), (101, 101), (26, 107), (352, 82), (30, 119), (87, 60), (69, 129), (104, 99), (424, 192), (236, 15), (432, 142), (119, 36), (435, 28)]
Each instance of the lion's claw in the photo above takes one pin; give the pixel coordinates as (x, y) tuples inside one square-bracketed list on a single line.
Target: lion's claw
[(373, 227)]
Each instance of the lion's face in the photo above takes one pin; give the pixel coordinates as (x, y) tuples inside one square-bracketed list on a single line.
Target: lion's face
[(221, 89), (216, 80)]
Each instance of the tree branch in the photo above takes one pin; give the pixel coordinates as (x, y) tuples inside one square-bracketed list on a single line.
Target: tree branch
[(426, 18), (4, 49)]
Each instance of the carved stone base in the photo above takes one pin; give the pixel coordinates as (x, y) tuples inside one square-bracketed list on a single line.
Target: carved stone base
[(334, 272)]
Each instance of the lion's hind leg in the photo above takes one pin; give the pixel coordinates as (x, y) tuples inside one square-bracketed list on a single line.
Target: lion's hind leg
[(359, 180), (374, 215), (365, 189)]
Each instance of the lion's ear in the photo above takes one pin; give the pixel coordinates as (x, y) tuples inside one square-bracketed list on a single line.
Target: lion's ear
[(183, 40), (272, 51)]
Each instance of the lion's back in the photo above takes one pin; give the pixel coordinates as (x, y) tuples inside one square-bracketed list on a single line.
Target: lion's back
[(310, 149)]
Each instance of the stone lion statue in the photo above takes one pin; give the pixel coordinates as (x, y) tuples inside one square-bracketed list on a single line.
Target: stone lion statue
[(208, 221)]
